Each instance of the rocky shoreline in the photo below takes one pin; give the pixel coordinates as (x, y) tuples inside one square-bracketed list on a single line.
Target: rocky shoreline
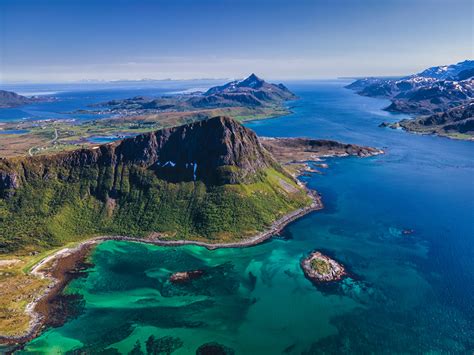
[(320, 268), (58, 266)]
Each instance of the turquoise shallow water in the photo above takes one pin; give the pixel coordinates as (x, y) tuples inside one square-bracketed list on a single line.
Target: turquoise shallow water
[(406, 294)]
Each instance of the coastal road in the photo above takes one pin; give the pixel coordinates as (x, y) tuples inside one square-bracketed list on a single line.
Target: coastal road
[(55, 138)]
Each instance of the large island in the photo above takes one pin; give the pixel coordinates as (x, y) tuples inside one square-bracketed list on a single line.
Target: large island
[(211, 183)]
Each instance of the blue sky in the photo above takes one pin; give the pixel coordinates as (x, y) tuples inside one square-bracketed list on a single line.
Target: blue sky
[(53, 40)]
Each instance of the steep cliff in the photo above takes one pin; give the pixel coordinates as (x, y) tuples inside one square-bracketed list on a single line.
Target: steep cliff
[(207, 180)]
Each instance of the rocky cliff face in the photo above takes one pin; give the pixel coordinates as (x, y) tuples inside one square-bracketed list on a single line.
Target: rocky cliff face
[(210, 180), (216, 151)]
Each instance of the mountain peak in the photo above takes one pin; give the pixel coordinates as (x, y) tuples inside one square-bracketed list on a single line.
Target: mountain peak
[(209, 146), (444, 72), (251, 81), (254, 90), (216, 151)]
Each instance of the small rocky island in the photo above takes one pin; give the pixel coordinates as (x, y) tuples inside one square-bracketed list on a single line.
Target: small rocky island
[(320, 268)]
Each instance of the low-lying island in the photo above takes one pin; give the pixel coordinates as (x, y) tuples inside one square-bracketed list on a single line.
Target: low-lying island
[(321, 268)]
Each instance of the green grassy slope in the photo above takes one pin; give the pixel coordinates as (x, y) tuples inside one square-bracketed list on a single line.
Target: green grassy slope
[(45, 213)]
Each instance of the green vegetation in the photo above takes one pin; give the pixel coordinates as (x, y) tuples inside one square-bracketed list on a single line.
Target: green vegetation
[(18, 289), (50, 212), (320, 266), (41, 137)]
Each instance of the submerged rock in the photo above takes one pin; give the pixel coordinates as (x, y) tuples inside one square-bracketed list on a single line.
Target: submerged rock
[(185, 276), (321, 268), (214, 349)]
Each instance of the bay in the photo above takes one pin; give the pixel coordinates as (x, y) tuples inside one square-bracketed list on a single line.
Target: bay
[(407, 293)]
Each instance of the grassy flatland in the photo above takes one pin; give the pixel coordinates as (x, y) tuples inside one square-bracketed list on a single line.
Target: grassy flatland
[(41, 136)]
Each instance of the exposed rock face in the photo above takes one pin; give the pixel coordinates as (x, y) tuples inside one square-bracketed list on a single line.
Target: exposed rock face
[(465, 74), (8, 183), (8, 180), (320, 268), (216, 151), (203, 150), (209, 181), (444, 72)]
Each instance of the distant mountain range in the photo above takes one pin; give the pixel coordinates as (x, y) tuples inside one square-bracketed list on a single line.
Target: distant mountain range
[(447, 72), (436, 90), (249, 92)]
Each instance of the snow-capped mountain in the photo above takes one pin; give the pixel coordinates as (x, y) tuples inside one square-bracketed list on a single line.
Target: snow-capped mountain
[(254, 85), (433, 90), (446, 72)]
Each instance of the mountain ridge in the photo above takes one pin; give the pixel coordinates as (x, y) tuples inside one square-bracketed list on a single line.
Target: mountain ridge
[(208, 180), (250, 92), (433, 91)]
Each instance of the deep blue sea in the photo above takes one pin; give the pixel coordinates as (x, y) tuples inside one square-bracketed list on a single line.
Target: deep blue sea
[(407, 293), (64, 99)]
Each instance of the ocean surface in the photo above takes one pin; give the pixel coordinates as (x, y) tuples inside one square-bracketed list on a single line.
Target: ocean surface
[(407, 293), (63, 100)]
